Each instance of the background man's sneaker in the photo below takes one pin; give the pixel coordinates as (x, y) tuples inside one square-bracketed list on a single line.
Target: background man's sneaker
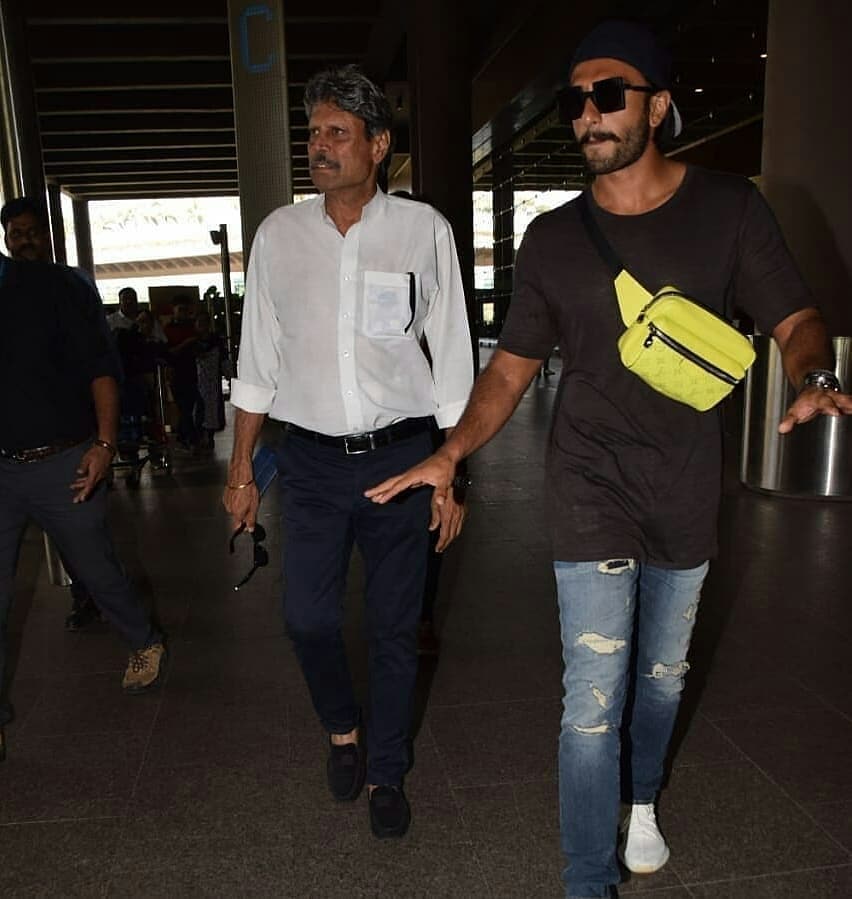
[(644, 850), (144, 668)]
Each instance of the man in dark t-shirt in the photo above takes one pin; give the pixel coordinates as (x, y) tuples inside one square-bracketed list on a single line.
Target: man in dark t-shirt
[(26, 231), (58, 424), (634, 477)]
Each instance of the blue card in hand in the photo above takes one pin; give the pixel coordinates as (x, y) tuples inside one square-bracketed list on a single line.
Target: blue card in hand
[(265, 468)]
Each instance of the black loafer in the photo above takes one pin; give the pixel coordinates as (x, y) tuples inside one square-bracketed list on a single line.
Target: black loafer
[(345, 770), (390, 814)]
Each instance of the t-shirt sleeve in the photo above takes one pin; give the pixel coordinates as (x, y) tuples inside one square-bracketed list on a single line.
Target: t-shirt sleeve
[(767, 283), (530, 329), (80, 312)]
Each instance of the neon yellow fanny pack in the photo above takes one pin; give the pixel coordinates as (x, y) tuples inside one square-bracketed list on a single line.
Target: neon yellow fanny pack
[(680, 348)]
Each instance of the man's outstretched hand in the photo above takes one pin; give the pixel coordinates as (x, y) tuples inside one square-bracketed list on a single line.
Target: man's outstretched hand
[(814, 401), (438, 472)]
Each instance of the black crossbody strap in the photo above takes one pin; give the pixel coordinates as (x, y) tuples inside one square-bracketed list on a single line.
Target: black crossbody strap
[(602, 245), (632, 297)]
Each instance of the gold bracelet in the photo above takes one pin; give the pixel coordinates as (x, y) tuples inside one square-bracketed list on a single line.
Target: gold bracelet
[(106, 445), (239, 486)]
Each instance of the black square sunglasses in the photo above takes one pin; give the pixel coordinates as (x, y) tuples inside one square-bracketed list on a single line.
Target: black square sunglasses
[(607, 95), (261, 555)]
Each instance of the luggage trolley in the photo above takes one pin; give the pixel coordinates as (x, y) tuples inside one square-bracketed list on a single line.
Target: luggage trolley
[(142, 436)]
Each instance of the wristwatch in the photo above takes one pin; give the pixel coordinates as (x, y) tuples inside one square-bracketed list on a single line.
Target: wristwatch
[(822, 378)]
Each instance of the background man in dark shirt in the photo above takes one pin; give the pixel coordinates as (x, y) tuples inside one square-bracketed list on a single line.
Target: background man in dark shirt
[(26, 230), (634, 477), (58, 423)]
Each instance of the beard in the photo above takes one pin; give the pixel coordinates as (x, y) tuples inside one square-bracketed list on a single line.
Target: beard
[(625, 150)]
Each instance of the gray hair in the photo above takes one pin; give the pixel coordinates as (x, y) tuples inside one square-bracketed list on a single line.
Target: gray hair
[(352, 91)]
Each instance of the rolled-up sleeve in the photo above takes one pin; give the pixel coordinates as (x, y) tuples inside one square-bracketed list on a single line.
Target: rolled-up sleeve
[(256, 384), (447, 332)]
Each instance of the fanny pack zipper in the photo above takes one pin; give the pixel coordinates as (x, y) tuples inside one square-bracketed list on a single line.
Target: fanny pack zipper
[(687, 354)]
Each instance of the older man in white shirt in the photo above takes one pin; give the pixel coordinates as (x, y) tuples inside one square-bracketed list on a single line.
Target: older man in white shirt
[(340, 292)]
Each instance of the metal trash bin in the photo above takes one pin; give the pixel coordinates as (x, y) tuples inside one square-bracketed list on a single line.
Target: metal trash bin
[(815, 460), (56, 572)]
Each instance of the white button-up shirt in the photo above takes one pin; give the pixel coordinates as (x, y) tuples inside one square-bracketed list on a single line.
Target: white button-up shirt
[(332, 324)]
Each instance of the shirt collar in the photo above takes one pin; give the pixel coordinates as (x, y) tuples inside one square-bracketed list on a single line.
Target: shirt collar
[(374, 208)]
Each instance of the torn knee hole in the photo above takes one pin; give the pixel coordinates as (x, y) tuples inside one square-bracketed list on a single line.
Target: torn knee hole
[(591, 730), (616, 566), (678, 669), (600, 696), (600, 643)]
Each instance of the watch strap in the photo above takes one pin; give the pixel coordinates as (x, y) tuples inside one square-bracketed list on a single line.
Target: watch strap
[(823, 378)]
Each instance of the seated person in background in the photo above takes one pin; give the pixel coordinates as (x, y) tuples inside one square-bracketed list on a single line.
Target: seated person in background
[(182, 339), (139, 352)]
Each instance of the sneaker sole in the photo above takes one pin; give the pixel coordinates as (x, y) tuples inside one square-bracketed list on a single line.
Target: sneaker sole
[(644, 869)]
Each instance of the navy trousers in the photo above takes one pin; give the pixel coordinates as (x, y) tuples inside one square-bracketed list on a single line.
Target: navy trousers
[(40, 491), (324, 512)]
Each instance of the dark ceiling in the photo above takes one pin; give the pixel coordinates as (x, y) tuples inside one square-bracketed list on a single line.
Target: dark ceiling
[(719, 59), (141, 104)]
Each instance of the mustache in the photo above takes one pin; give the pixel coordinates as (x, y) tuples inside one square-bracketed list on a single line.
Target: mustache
[(322, 159), (598, 135)]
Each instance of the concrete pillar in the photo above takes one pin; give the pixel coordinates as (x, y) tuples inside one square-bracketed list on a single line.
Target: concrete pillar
[(83, 236), (806, 176), (261, 113), (21, 165), (442, 168), (57, 223), (503, 210)]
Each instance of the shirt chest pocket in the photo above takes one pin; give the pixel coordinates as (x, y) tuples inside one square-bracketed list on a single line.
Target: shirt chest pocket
[(389, 303)]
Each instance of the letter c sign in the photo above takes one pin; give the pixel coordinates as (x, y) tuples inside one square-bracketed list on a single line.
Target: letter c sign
[(254, 68)]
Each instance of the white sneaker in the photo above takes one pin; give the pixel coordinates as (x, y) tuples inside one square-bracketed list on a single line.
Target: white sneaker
[(643, 849)]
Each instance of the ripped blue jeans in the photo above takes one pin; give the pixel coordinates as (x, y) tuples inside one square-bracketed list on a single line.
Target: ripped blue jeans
[(603, 607)]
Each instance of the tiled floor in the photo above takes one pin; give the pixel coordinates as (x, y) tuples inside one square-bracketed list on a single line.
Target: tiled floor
[(214, 785)]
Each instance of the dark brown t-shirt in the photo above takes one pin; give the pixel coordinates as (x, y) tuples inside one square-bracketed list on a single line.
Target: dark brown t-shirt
[(632, 473)]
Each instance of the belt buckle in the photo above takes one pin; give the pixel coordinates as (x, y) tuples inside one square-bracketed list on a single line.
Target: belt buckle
[(24, 457), (354, 445)]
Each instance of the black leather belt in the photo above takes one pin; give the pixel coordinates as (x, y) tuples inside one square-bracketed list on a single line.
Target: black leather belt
[(353, 444), (37, 453)]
